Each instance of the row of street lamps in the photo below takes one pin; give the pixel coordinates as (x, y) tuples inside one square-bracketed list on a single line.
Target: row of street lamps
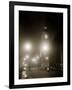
[(44, 49)]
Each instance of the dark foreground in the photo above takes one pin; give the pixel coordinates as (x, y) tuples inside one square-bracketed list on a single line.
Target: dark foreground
[(38, 72)]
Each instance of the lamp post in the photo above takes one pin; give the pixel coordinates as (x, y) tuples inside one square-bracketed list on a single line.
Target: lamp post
[(44, 47)]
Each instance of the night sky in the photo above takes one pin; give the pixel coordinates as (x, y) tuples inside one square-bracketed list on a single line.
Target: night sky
[(31, 25)]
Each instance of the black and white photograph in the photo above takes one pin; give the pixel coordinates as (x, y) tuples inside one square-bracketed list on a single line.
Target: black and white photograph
[(39, 44)]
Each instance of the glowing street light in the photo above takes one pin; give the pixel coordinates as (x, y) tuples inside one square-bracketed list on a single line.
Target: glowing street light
[(37, 57), (46, 36), (46, 58), (24, 75), (45, 27), (45, 47), (25, 65), (25, 68), (47, 68), (34, 60), (27, 46), (26, 57)]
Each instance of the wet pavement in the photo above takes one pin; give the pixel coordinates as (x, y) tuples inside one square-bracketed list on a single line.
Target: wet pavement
[(36, 72)]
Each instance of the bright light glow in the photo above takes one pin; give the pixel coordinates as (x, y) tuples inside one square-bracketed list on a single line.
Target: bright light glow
[(46, 58), (47, 68), (25, 68), (37, 57), (45, 47), (34, 60), (46, 36), (45, 27), (25, 65), (27, 46), (26, 57), (24, 74)]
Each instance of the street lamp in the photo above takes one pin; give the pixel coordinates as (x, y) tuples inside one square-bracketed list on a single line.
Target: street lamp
[(46, 36), (33, 59), (27, 46), (44, 47), (26, 57)]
